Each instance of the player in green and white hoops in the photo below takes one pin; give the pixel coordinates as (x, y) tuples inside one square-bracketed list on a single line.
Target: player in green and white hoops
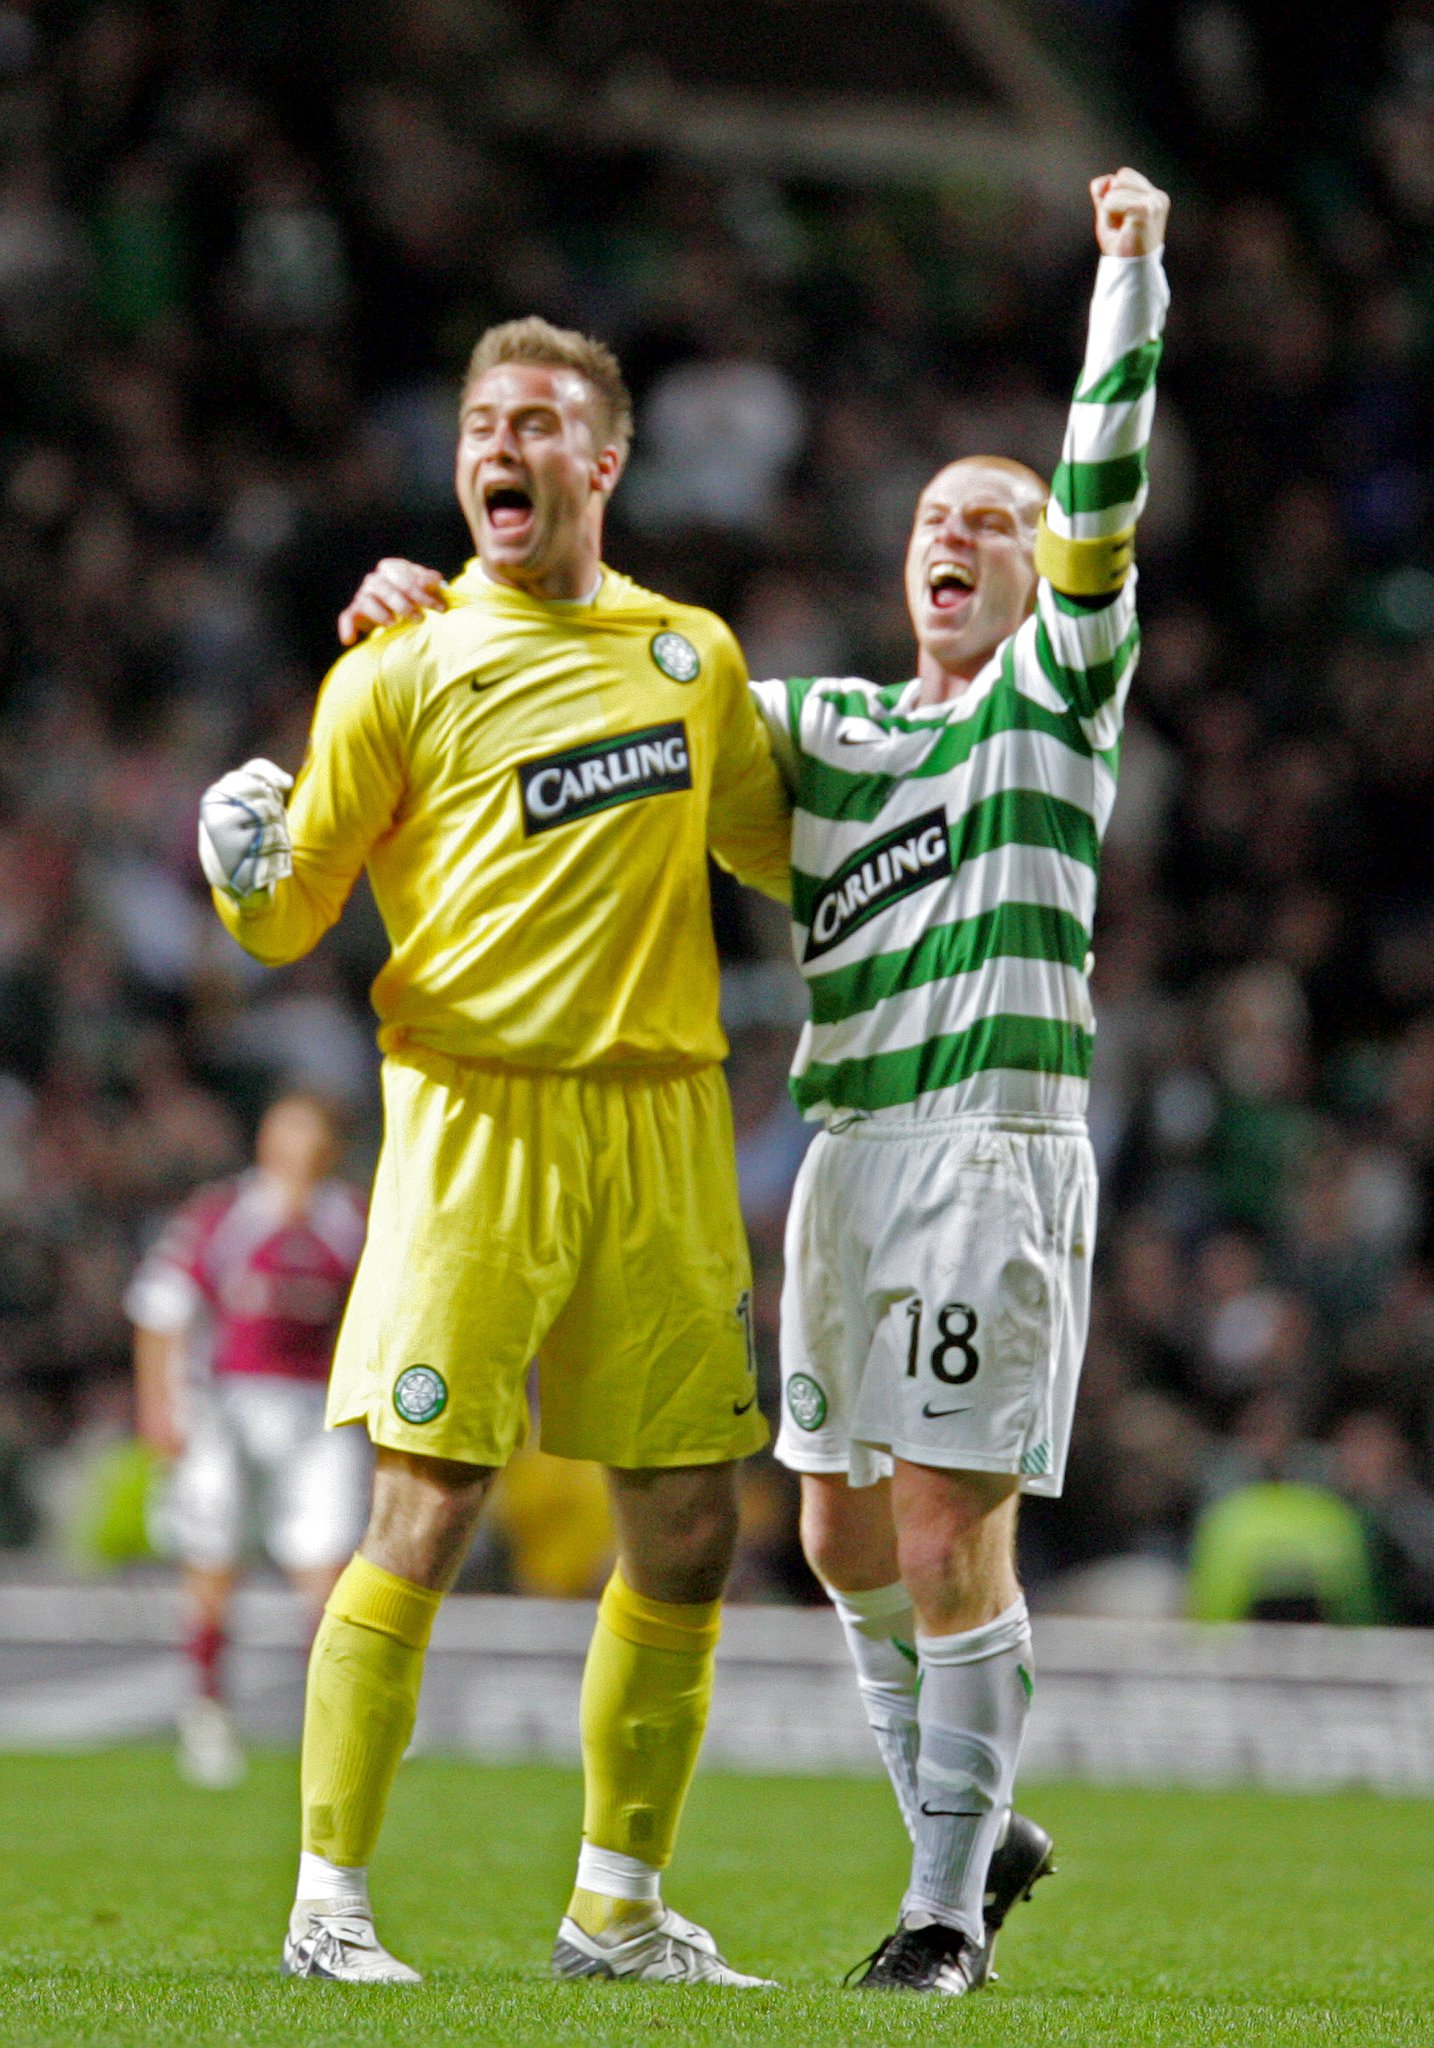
[(946, 840), (945, 845)]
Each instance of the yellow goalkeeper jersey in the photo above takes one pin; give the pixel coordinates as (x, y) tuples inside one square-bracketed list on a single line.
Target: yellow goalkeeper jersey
[(533, 787)]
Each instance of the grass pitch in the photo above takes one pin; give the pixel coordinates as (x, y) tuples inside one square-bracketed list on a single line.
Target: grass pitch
[(134, 1911)]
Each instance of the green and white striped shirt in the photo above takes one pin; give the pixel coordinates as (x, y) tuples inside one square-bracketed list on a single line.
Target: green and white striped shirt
[(944, 859)]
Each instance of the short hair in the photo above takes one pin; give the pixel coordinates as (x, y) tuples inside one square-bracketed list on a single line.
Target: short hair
[(1037, 489), (535, 340)]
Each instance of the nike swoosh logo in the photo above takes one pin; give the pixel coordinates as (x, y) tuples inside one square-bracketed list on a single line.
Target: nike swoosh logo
[(935, 1414), (740, 1408), (948, 1812)]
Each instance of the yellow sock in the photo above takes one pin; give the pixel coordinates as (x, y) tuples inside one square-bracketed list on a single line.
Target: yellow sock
[(597, 1914), (364, 1673), (646, 1691)]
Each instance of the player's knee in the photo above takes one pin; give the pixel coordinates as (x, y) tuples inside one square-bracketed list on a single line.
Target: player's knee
[(701, 1551), (424, 1514), (834, 1543), (688, 1558), (957, 1566), (677, 1529), (935, 1562)]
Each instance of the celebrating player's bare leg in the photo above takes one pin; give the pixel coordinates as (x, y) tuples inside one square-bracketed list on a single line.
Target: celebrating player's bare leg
[(365, 1671), (646, 1692), (958, 1556), (850, 1543), (956, 1544)]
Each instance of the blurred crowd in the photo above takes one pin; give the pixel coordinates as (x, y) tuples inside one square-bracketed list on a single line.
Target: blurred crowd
[(243, 254)]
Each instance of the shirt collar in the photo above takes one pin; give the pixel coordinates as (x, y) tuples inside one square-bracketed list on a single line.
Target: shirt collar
[(480, 574)]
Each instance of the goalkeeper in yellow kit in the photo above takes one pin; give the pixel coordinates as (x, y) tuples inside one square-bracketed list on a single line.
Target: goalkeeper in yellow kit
[(533, 778)]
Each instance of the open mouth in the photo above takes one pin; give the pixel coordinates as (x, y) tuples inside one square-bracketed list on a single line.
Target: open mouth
[(948, 584), (508, 508)]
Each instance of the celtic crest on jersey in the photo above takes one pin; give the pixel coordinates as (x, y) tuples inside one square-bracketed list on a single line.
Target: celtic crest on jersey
[(806, 1402), (420, 1394), (675, 655)]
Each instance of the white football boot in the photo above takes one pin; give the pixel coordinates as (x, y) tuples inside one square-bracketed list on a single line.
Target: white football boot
[(673, 1951), (210, 1753), (334, 1938)]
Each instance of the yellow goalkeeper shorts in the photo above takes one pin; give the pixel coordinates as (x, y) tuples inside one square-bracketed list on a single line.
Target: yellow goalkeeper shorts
[(590, 1223)]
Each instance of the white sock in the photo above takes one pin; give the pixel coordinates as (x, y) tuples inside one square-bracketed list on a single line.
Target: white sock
[(321, 1880), (880, 1630), (975, 1696), (616, 1876)]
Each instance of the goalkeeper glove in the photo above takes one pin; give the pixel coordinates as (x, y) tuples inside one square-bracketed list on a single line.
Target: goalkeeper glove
[(244, 845)]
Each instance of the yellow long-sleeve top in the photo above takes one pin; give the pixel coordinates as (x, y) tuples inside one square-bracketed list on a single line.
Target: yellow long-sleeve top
[(533, 788)]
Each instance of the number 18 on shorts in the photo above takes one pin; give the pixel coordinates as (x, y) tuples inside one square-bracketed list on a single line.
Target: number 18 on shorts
[(936, 1300)]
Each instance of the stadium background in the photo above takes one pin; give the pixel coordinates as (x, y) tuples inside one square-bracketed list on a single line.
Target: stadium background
[(244, 249)]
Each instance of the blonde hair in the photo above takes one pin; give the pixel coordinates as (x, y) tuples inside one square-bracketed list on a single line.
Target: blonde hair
[(535, 340)]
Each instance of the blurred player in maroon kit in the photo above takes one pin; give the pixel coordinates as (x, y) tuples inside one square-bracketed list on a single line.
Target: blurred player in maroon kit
[(235, 1310)]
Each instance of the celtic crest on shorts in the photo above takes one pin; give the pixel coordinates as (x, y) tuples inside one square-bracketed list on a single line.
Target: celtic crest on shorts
[(806, 1402), (420, 1394), (676, 657)]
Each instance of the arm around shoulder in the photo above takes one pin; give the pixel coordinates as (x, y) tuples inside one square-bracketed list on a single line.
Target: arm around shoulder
[(749, 827)]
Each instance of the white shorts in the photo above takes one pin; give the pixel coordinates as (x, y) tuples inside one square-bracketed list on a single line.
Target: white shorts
[(937, 1297), (258, 1465)]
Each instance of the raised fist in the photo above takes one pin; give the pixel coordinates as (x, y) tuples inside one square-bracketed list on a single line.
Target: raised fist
[(243, 830), (1130, 213)]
